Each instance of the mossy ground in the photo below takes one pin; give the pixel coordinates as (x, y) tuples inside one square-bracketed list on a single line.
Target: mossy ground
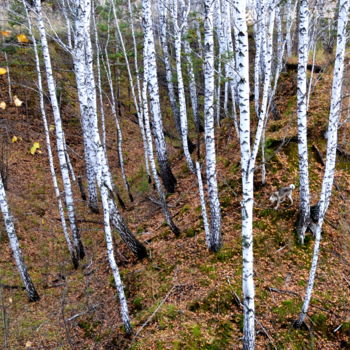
[(200, 291)]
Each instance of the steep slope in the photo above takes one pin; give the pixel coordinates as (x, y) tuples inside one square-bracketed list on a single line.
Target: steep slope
[(182, 297)]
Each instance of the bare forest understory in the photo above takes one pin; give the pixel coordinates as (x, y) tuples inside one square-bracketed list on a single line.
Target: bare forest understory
[(182, 296)]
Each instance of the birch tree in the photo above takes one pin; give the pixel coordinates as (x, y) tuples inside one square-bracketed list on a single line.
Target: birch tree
[(163, 36), (332, 141), (113, 104), (14, 243), (72, 253), (192, 85), (180, 14), (148, 135), (166, 174), (302, 119), (68, 193), (242, 66), (135, 88), (87, 101), (139, 93), (210, 157)]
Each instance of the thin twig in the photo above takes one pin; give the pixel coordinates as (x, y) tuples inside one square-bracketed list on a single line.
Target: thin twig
[(149, 319)]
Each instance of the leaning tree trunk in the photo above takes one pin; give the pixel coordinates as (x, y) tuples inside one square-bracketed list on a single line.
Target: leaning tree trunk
[(138, 84), (163, 30), (136, 98), (302, 120), (74, 258), (148, 135), (332, 142), (166, 174), (59, 134), (14, 243), (181, 87), (215, 214), (192, 86), (247, 165), (87, 99), (113, 104)]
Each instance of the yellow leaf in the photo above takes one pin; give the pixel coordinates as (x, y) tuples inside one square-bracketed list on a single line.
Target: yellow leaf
[(29, 344), (3, 105), (17, 101), (52, 127), (35, 147), (3, 70), (5, 33), (42, 221), (22, 38), (14, 139)]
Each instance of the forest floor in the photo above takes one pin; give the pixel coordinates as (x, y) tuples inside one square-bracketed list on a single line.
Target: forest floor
[(182, 297)]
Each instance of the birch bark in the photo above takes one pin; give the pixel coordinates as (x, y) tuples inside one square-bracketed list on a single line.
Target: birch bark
[(59, 133), (74, 258), (215, 214), (161, 194), (14, 243), (178, 27), (166, 174), (333, 125), (247, 165), (87, 100), (302, 119)]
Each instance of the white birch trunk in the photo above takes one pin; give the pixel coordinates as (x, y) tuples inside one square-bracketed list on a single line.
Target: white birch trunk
[(161, 194), (59, 134), (87, 99), (113, 104), (138, 85), (332, 141), (302, 119), (74, 258), (166, 174), (203, 205), (181, 88), (163, 12), (242, 64), (288, 9), (231, 70), (220, 29), (215, 215), (259, 33), (192, 86), (14, 243)]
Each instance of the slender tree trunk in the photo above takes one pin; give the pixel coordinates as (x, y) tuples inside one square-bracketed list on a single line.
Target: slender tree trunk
[(87, 99), (181, 88), (203, 205), (163, 12), (192, 87), (113, 104), (247, 165), (289, 17), (166, 174), (332, 141), (14, 243), (74, 258), (139, 96), (302, 120), (215, 214), (59, 134), (161, 194)]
